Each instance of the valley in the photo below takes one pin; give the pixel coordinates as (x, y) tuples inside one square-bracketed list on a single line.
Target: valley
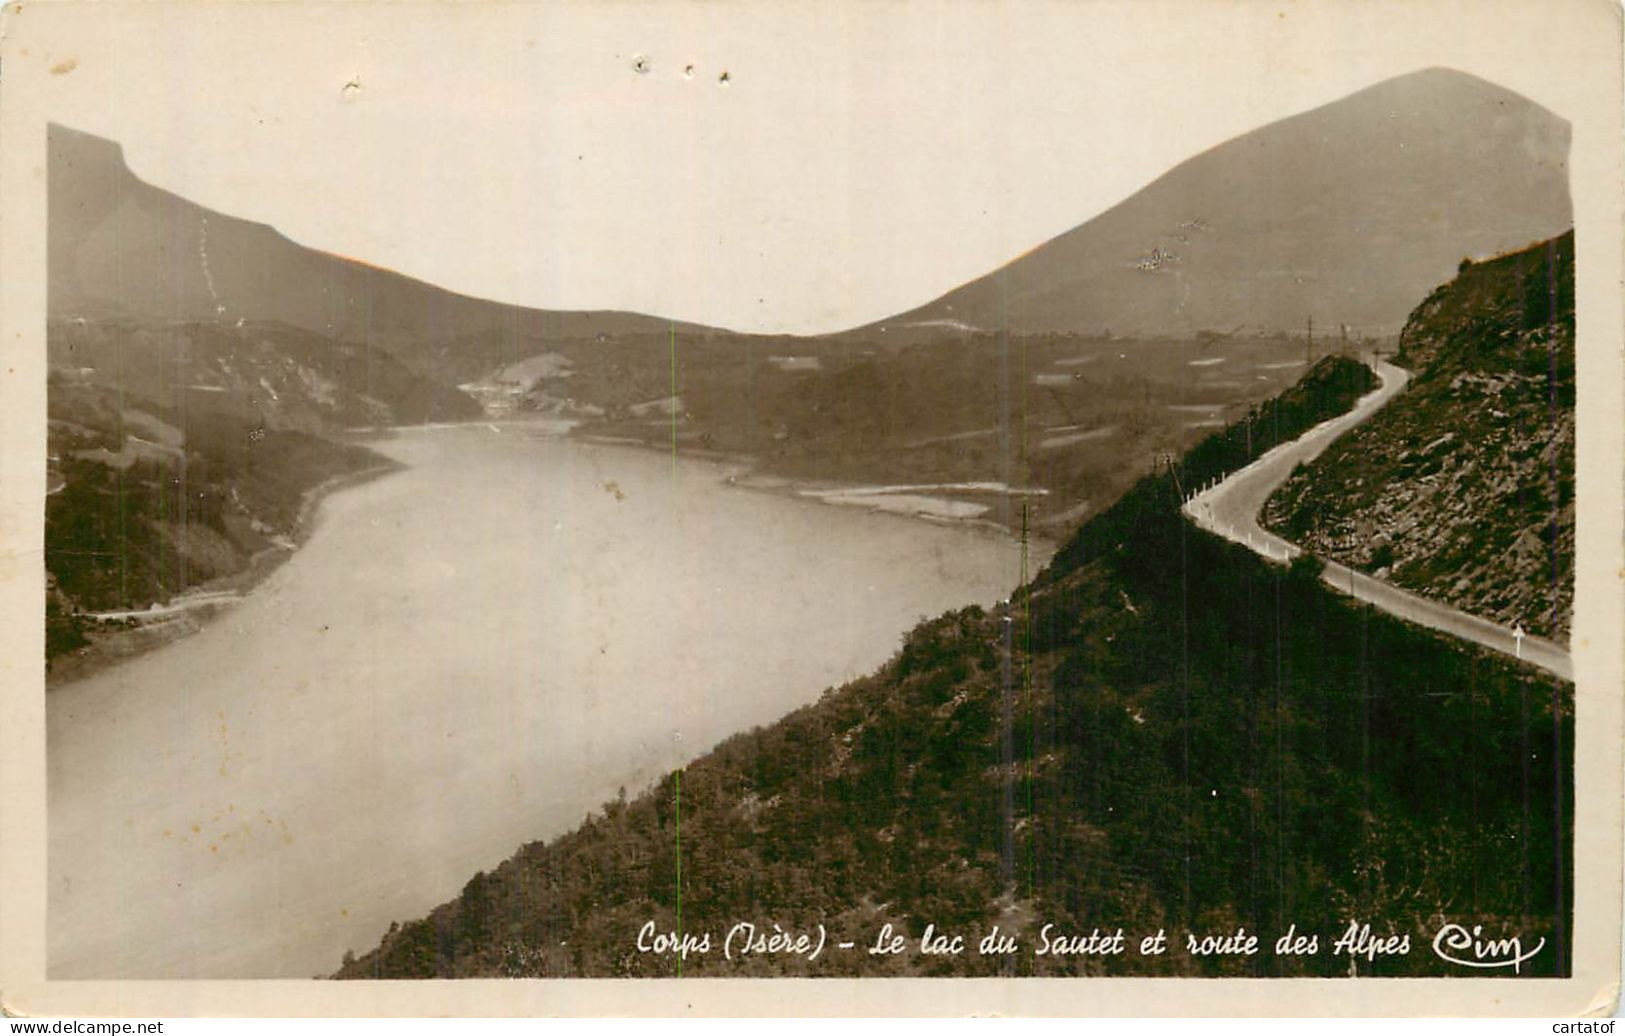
[(944, 620)]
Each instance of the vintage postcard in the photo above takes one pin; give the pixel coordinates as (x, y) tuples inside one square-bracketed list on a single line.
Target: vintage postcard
[(653, 507)]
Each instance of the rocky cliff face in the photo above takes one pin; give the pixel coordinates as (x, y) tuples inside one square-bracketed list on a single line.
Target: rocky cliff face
[(1463, 488)]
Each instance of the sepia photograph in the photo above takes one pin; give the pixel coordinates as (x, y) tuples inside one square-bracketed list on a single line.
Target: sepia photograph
[(912, 491)]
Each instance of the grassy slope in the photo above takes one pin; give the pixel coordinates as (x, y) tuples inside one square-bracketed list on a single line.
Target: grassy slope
[(1462, 489), (1164, 732)]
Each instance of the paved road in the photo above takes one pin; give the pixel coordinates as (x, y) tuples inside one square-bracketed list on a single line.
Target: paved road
[(1230, 508)]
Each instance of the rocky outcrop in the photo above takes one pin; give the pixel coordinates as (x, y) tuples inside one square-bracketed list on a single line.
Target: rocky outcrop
[(1463, 488)]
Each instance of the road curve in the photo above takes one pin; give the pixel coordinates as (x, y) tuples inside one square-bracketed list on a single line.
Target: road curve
[(1230, 508)]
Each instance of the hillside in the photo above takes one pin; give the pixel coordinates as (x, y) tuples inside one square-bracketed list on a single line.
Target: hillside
[(121, 248), (1279, 225), (269, 374), (198, 374), (1160, 732), (147, 501), (180, 457), (1462, 489)]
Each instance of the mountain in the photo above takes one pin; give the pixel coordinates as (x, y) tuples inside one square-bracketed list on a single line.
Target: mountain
[(1264, 231), (1280, 224), (121, 248), (1462, 489), (1161, 732)]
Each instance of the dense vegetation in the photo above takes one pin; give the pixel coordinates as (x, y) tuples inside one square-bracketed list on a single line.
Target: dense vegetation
[(1161, 732), (1463, 488)]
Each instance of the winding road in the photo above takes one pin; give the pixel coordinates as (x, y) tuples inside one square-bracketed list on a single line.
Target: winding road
[(1230, 508)]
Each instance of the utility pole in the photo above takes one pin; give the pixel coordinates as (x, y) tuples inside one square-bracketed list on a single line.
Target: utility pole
[(1309, 344)]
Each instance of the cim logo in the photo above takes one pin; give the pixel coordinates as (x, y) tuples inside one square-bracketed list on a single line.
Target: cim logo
[(1457, 945)]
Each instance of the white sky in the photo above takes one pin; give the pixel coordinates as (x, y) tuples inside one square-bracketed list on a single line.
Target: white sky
[(863, 159)]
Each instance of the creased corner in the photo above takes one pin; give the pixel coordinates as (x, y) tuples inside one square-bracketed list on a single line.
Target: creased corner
[(7, 1008), (1605, 1004)]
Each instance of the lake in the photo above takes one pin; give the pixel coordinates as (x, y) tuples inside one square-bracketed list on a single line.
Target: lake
[(469, 654)]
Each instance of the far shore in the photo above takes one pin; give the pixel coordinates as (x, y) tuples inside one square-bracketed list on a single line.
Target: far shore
[(872, 497), (913, 502)]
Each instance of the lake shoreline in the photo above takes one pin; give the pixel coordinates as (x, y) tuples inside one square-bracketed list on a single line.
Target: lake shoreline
[(112, 647), (824, 491), (109, 648), (754, 477), (469, 656)]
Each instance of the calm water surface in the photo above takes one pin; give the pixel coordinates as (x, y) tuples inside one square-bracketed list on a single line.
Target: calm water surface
[(467, 655)]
